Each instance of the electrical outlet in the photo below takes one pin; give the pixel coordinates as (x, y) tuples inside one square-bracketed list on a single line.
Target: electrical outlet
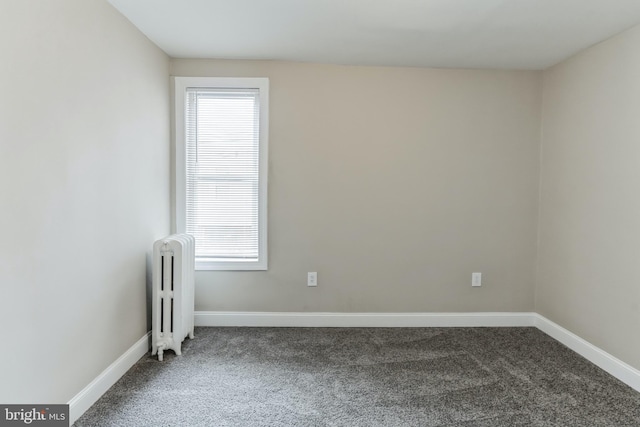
[(312, 279), (476, 279)]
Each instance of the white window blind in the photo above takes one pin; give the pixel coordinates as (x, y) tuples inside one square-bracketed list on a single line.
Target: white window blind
[(223, 200)]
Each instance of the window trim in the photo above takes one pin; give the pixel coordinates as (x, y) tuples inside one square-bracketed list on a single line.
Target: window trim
[(180, 87)]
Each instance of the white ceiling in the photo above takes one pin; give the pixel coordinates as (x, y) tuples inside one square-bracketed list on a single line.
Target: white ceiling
[(512, 34)]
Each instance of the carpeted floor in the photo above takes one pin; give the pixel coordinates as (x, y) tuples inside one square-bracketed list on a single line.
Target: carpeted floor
[(367, 377)]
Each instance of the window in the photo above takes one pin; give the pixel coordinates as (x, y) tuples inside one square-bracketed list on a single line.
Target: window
[(221, 169)]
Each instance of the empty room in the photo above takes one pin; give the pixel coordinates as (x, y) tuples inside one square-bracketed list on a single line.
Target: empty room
[(320, 213)]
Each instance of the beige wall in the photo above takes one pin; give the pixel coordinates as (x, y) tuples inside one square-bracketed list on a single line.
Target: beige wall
[(394, 184), (84, 188), (590, 196)]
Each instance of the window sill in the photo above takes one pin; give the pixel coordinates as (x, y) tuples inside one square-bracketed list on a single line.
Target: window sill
[(236, 265)]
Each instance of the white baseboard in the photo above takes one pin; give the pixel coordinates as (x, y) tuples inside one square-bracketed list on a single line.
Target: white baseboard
[(361, 320), (614, 366), (96, 388)]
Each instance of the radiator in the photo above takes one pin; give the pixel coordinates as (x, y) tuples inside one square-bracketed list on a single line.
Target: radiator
[(172, 299)]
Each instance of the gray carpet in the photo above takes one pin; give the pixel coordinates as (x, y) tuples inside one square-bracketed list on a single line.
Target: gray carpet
[(367, 377)]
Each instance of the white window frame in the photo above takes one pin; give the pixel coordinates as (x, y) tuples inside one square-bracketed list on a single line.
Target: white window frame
[(262, 84)]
